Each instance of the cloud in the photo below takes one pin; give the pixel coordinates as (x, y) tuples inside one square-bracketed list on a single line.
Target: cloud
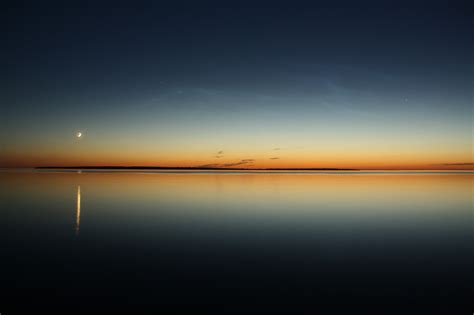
[(274, 158), (220, 152), (247, 162), (242, 162), (276, 149), (457, 164)]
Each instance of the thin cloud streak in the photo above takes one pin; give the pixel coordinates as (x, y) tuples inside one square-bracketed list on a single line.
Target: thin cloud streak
[(248, 162), (457, 164)]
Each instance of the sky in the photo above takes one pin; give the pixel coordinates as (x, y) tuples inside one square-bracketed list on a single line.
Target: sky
[(345, 84)]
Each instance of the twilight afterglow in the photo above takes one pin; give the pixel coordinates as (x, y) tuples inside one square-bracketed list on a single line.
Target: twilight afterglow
[(236, 157), (266, 87)]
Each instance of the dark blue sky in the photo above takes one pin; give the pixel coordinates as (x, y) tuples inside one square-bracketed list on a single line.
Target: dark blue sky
[(270, 68)]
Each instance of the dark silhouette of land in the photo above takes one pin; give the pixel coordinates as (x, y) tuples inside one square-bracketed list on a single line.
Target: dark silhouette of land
[(189, 168)]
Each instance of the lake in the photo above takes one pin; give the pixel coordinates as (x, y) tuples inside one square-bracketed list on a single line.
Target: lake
[(295, 242)]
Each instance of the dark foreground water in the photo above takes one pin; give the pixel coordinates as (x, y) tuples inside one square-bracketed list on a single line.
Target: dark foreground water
[(235, 242)]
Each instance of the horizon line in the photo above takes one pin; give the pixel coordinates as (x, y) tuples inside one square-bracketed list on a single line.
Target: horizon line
[(194, 168), (137, 167)]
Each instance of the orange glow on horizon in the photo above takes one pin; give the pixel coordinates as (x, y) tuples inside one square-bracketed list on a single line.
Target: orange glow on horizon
[(258, 163)]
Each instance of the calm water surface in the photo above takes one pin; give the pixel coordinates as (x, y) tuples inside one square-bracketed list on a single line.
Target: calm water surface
[(242, 242)]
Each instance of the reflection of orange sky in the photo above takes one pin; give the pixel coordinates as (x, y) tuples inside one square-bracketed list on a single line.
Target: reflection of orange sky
[(375, 192)]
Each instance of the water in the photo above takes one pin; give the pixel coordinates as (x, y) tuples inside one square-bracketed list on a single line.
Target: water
[(236, 241)]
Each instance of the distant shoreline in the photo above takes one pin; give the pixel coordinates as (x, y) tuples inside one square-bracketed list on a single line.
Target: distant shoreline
[(90, 168), (188, 168)]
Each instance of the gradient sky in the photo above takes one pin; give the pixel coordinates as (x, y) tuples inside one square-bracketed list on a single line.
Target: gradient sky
[(338, 84)]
